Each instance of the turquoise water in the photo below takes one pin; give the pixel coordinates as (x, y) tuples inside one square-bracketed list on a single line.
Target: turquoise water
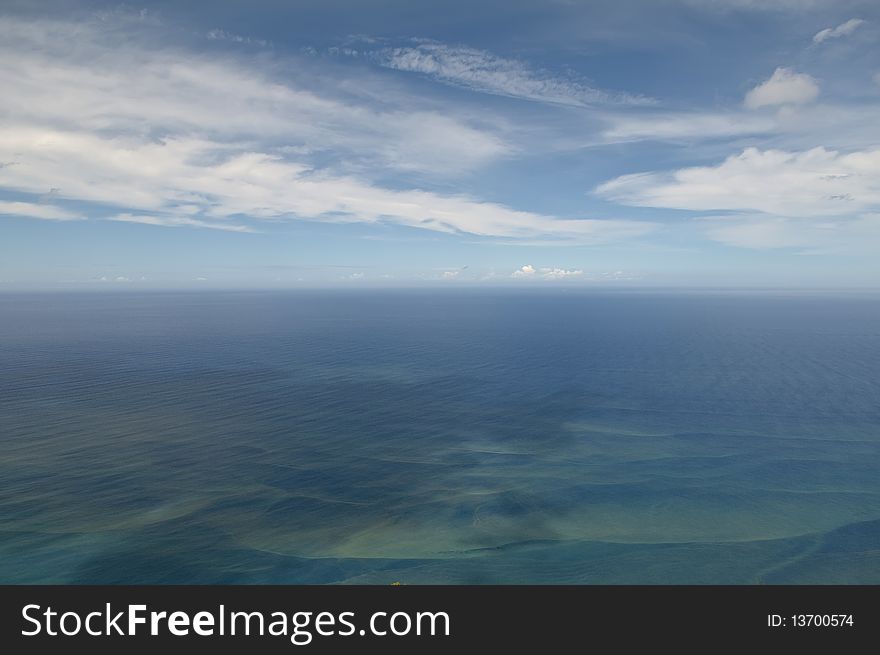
[(439, 437)]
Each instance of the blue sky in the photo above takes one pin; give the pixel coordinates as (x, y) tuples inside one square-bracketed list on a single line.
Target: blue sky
[(719, 143)]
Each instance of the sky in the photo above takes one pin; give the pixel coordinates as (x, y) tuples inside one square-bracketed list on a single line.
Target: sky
[(540, 143)]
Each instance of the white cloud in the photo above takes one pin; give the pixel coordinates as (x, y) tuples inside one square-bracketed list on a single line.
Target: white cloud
[(356, 276), (560, 273), (220, 97), (482, 71), (177, 221), (840, 126), (811, 183), (785, 87), (212, 141), (37, 210), (450, 275), (686, 125), (525, 271), (546, 273), (224, 182), (844, 29), (222, 35), (837, 124), (774, 198)]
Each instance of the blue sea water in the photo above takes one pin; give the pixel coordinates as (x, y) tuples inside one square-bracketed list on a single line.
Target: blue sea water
[(439, 437)]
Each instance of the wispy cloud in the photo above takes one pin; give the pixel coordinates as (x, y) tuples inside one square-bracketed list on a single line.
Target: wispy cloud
[(812, 183), (178, 221), (844, 126), (217, 141), (185, 176), (785, 87), (485, 72), (117, 279), (844, 29), (221, 97), (222, 35), (687, 125), (772, 198), (37, 210)]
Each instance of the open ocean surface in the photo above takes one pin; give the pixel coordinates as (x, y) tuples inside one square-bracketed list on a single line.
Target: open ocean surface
[(439, 437)]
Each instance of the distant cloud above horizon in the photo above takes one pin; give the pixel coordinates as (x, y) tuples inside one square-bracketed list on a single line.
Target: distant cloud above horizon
[(545, 273)]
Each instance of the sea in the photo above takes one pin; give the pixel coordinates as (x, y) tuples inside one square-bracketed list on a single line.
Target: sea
[(440, 436)]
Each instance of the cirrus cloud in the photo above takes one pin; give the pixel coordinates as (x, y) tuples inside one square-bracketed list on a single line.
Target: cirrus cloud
[(485, 72), (221, 141)]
